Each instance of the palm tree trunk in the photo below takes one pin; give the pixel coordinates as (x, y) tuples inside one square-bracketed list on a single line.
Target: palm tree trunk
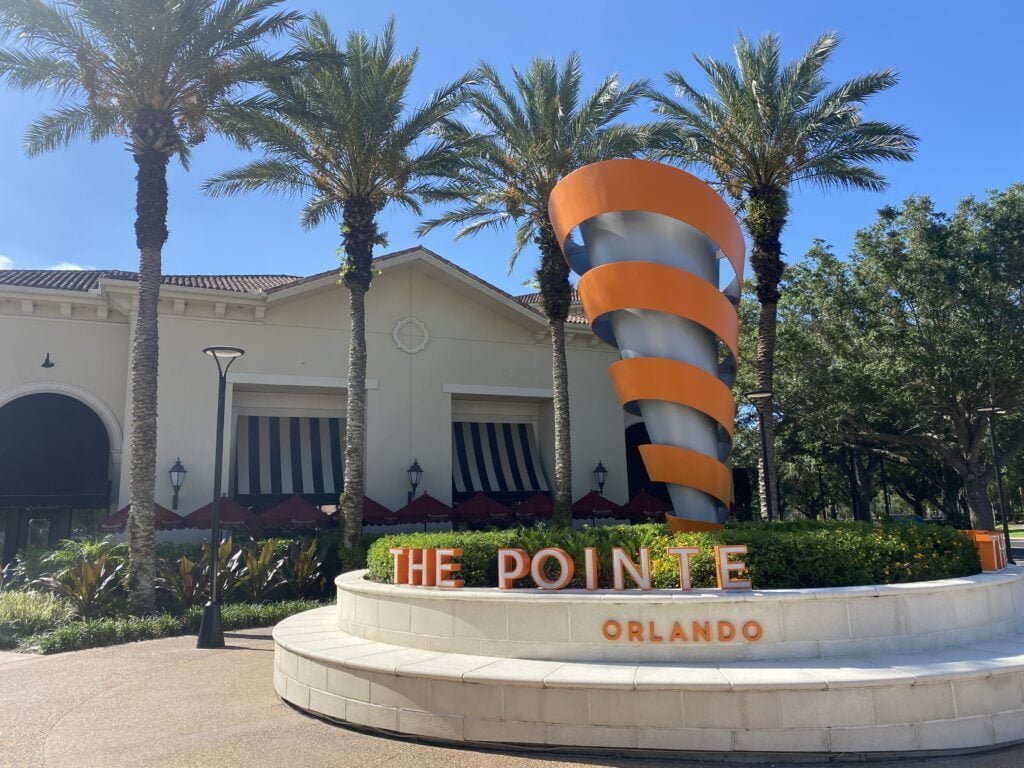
[(765, 217), (556, 298), (765, 364), (359, 234), (150, 236), (562, 514)]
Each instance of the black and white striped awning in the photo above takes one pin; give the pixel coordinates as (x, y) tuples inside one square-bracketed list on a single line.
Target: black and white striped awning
[(495, 458), (285, 455)]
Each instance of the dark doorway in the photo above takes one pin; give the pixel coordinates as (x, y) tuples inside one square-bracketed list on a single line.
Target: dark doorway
[(54, 464), (636, 472)]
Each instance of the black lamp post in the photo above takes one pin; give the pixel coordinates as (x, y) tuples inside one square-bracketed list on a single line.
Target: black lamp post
[(415, 472), (211, 633), (177, 473), (759, 398), (600, 476), (992, 411)]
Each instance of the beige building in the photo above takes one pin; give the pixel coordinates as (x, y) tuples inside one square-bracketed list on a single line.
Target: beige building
[(459, 377)]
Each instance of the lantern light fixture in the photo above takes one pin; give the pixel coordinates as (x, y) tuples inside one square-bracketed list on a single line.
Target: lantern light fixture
[(177, 473), (415, 472)]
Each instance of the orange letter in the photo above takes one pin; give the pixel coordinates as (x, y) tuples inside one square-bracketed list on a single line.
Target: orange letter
[(677, 636), (684, 554), (655, 637), (701, 631), (752, 631), (724, 568), (566, 568), (607, 630), (421, 567), (641, 576), (444, 567), (400, 556), (590, 568), (726, 631), (513, 564), (636, 632)]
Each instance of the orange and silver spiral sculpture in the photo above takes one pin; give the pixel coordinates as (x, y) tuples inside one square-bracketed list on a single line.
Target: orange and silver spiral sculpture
[(654, 240)]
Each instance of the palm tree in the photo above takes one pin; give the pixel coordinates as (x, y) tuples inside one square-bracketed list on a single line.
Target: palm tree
[(535, 132), (151, 73), (339, 133), (764, 128)]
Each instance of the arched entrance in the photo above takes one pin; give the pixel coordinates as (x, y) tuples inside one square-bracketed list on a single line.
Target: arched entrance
[(54, 470)]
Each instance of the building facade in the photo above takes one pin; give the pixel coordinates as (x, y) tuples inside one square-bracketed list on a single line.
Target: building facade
[(458, 377)]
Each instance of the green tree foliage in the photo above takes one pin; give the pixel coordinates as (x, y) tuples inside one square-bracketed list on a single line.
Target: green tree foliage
[(151, 74), (889, 353), (339, 133), (535, 131), (766, 126)]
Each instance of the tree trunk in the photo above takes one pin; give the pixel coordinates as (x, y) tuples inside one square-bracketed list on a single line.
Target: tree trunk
[(765, 216), (978, 501), (562, 515), (556, 298), (359, 235), (150, 236), (766, 332)]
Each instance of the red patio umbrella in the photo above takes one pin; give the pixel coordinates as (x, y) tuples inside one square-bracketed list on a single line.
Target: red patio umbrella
[(165, 519), (295, 512), (232, 515), (481, 508), (536, 507), (646, 508), (375, 514), (594, 505), (424, 509)]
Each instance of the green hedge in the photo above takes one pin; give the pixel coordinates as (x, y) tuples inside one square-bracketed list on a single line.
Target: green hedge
[(781, 556), (76, 635)]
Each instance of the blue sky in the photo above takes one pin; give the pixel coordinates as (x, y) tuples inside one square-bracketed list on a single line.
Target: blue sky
[(960, 91)]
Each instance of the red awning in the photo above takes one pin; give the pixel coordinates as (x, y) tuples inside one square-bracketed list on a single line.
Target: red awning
[(232, 515), (595, 505), (295, 512), (536, 507), (165, 519), (375, 514), (481, 508), (644, 506), (424, 509)]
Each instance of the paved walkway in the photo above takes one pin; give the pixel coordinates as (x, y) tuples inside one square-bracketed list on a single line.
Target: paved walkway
[(164, 703)]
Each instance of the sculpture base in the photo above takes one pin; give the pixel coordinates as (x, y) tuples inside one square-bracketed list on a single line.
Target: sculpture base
[(957, 697)]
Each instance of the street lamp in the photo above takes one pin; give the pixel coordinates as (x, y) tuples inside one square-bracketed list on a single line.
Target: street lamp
[(760, 398), (211, 633), (600, 476), (415, 472), (177, 473), (992, 411)]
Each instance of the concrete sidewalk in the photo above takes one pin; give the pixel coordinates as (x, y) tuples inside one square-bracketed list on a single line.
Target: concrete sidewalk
[(164, 703)]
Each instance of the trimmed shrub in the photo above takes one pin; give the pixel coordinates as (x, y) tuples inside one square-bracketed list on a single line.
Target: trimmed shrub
[(781, 556), (78, 635)]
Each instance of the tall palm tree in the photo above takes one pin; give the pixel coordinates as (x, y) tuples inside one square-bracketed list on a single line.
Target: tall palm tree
[(150, 72), (340, 134), (764, 128), (536, 131)]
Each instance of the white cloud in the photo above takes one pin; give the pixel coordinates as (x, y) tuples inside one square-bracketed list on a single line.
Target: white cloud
[(70, 266), (6, 262)]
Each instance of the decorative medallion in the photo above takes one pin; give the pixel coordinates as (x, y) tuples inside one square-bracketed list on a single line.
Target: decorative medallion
[(410, 335)]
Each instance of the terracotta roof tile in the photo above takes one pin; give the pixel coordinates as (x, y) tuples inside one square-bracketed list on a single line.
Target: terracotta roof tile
[(88, 279)]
